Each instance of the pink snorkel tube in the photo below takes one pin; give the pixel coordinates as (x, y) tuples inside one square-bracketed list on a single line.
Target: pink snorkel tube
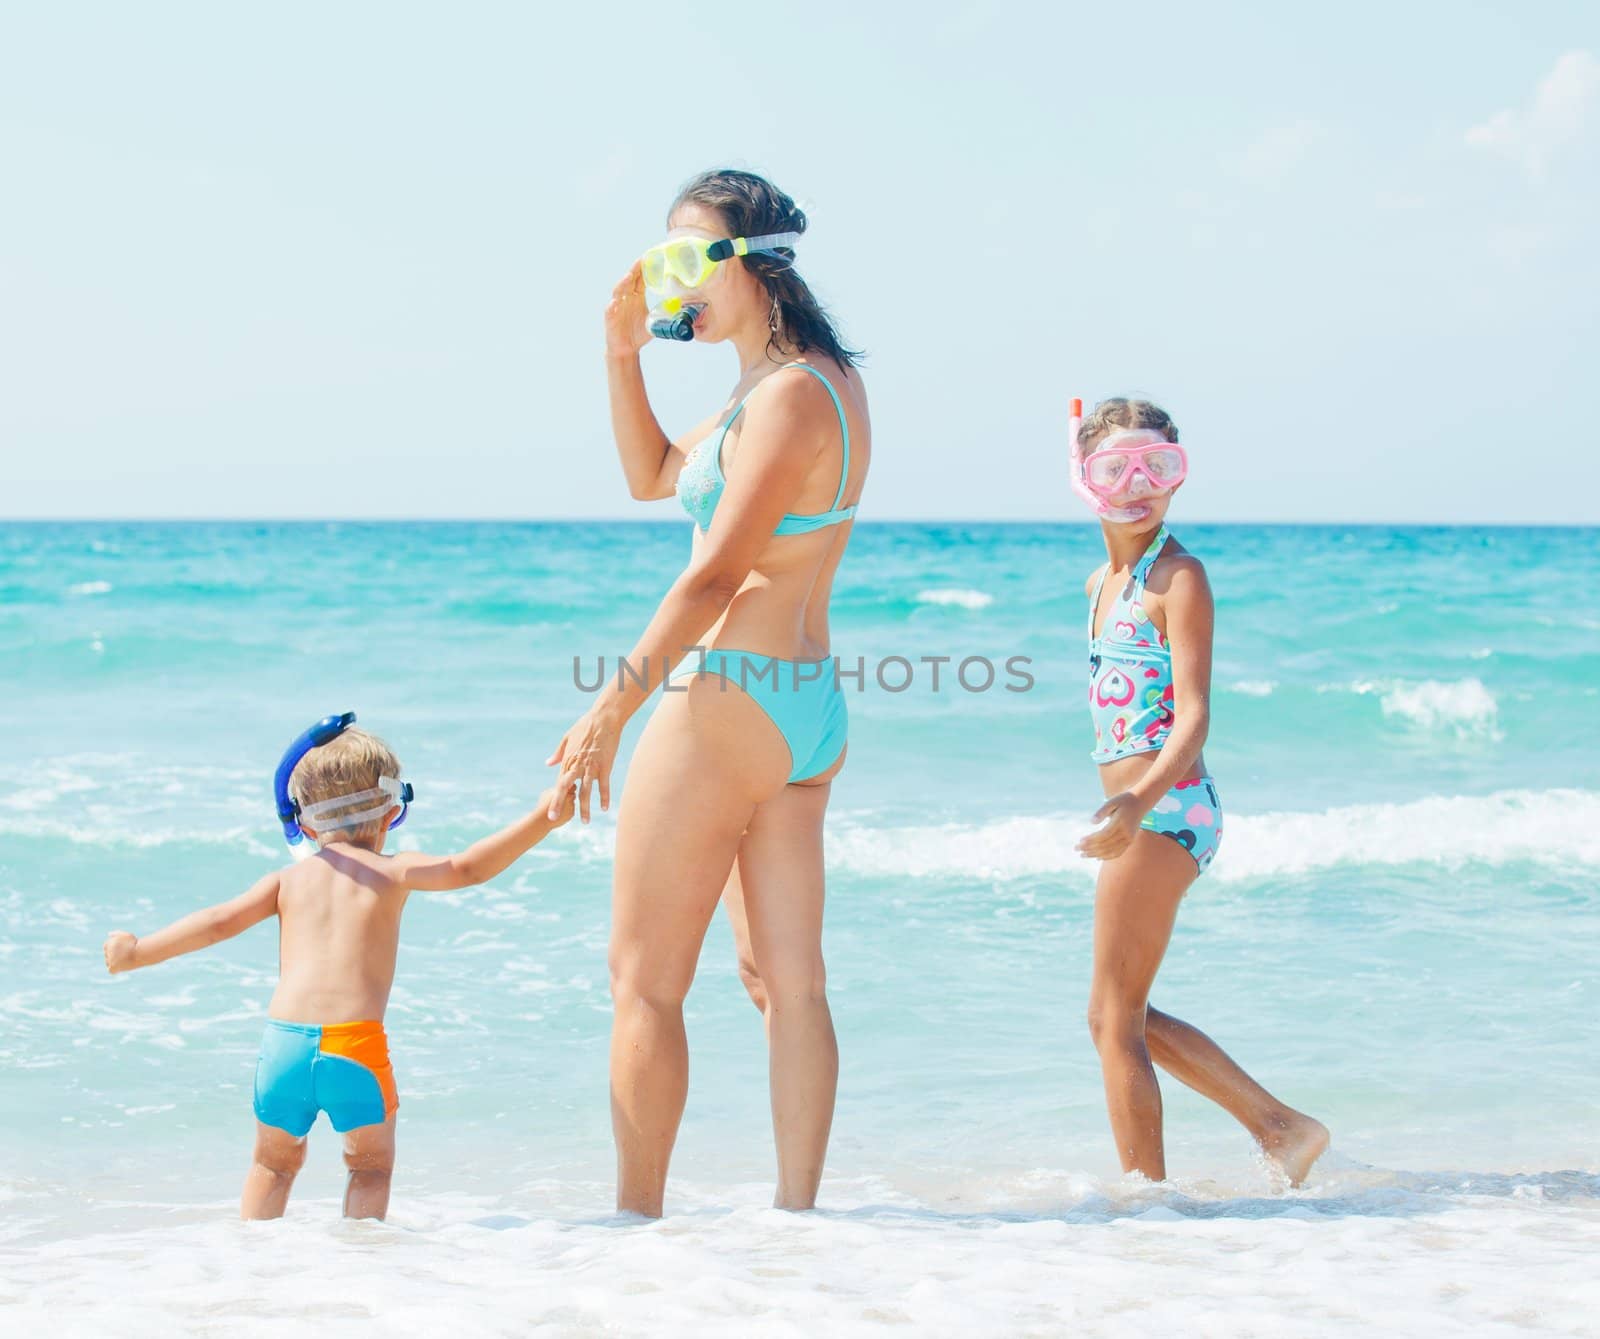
[(1074, 426)]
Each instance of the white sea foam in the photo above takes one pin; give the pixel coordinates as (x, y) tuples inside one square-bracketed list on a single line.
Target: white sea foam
[(90, 588), (48, 786), (1254, 687), (1559, 827), (1465, 1256), (1465, 706), (104, 830), (102, 827), (1552, 827), (964, 599), (124, 800), (1462, 707)]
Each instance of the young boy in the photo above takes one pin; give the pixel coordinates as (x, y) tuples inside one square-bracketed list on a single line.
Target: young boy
[(339, 928)]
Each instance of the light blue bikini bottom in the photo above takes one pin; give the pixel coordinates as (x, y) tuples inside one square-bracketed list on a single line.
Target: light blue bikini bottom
[(802, 698)]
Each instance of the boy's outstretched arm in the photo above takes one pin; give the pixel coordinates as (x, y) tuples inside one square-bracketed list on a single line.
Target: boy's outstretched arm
[(199, 929), (484, 859)]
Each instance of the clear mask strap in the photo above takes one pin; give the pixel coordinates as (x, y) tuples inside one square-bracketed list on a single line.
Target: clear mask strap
[(312, 815), (768, 241)]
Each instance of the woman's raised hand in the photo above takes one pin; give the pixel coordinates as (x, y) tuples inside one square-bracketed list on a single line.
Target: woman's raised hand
[(585, 755), (627, 319)]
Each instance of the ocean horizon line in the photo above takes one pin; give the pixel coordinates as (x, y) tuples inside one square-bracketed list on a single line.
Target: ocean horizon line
[(677, 521)]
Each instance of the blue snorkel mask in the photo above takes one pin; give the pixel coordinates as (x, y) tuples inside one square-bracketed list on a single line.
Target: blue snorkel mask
[(390, 790)]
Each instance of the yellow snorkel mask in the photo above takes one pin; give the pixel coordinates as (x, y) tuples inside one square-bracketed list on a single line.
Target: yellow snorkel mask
[(690, 260), (683, 264)]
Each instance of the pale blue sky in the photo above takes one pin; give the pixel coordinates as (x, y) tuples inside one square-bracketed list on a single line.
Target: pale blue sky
[(349, 259)]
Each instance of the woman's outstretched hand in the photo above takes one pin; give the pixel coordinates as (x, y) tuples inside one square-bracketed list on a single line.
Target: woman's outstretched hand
[(627, 320), (1122, 814), (585, 755)]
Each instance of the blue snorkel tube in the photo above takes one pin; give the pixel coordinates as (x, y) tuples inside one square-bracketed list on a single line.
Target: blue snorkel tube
[(324, 731), (328, 728)]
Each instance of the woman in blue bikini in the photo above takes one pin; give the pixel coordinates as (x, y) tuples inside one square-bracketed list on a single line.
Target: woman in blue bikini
[(1150, 623), (729, 783)]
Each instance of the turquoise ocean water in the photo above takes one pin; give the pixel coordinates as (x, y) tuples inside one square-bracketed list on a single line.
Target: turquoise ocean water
[(1398, 936)]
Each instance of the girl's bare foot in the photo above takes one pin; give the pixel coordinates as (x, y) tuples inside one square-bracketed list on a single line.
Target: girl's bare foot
[(1293, 1142)]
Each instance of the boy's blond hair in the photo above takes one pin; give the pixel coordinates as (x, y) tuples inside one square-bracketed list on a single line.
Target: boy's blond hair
[(346, 765)]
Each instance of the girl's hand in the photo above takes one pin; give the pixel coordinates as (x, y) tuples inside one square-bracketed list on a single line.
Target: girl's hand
[(627, 327), (120, 949), (585, 755), (1122, 814)]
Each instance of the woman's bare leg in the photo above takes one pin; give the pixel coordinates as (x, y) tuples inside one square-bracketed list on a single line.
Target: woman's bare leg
[(781, 874), (277, 1160), (1136, 902), (706, 759), (369, 1154), (1289, 1138), (739, 920)]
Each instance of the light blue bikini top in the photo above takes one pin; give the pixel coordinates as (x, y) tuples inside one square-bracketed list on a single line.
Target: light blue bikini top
[(701, 480)]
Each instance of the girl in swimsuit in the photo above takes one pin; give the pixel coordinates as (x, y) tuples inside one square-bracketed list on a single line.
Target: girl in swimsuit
[(1150, 626), (734, 766)]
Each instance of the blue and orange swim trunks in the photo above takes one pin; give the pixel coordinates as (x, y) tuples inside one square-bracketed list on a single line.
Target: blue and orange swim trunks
[(340, 1068)]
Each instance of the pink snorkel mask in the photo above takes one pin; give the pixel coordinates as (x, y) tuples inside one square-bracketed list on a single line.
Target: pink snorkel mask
[(1134, 463)]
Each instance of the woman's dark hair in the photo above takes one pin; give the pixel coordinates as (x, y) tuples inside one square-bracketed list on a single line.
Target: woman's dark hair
[(752, 206)]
